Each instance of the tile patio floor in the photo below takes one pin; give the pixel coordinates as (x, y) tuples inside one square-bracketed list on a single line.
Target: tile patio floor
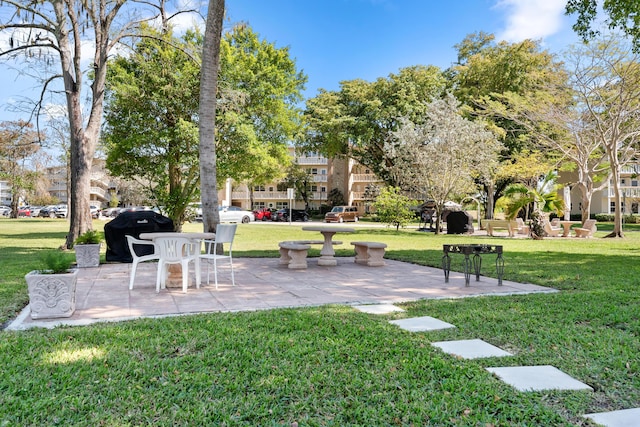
[(103, 293)]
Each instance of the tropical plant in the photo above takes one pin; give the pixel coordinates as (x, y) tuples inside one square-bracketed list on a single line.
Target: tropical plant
[(543, 199)]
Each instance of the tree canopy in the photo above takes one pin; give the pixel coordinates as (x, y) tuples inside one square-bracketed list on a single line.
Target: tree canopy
[(152, 114), (440, 157), (150, 134), (52, 33), (485, 74), (622, 14), (357, 120), (18, 142)]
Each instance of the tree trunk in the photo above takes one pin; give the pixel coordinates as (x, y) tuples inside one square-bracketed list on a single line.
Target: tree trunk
[(617, 217), (207, 113)]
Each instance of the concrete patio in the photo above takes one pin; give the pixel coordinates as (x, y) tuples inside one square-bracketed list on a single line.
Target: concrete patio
[(261, 283)]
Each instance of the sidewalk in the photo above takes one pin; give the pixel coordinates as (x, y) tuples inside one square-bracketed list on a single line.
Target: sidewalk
[(103, 292)]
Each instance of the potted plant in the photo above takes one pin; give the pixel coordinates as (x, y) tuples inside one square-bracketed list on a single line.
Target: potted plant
[(87, 247), (52, 290)]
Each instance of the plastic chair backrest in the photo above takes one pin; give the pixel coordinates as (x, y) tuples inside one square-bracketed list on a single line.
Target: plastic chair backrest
[(225, 233), (174, 249)]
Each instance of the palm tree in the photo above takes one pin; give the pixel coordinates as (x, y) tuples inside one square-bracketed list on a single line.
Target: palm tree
[(544, 199)]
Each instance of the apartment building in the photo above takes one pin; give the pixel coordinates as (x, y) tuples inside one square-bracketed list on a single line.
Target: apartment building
[(603, 201), (346, 175), (58, 187)]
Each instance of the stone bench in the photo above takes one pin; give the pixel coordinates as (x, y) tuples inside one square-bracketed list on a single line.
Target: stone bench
[(293, 254), (370, 253), (491, 224)]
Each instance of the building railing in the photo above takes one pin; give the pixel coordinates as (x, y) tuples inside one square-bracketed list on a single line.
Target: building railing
[(312, 160), (273, 195), (364, 177), (626, 191), (630, 169), (100, 192)]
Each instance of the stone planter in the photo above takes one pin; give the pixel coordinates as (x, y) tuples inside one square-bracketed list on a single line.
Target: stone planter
[(88, 255), (52, 295)]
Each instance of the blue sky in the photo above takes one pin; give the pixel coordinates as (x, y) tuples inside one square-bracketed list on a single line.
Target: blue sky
[(336, 40)]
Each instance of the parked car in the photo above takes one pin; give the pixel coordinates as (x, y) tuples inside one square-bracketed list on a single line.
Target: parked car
[(194, 212), (47, 212), (296, 215), (5, 210), (24, 211), (342, 214), (262, 214), (61, 211), (235, 214), (35, 211), (95, 211), (110, 212)]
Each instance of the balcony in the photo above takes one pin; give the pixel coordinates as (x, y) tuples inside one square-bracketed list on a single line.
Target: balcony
[(100, 192)]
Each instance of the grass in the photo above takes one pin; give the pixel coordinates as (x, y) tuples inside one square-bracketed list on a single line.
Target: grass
[(333, 366)]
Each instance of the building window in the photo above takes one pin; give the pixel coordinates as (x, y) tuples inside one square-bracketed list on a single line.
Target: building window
[(314, 171), (314, 188), (259, 205), (623, 181), (258, 188), (634, 182), (282, 205), (612, 207), (323, 171), (323, 189)]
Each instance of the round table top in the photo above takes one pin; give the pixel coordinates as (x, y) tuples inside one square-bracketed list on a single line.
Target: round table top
[(334, 229)]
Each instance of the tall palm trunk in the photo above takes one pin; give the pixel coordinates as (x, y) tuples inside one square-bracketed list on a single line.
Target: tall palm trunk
[(207, 113)]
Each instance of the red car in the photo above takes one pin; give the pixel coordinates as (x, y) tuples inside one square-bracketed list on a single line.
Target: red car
[(24, 211), (262, 214)]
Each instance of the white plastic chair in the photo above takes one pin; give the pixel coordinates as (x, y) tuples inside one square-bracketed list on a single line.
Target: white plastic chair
[(224, 234), (131, 241), (177, 250)]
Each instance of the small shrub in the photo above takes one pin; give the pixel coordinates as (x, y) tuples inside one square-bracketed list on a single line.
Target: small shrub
[(56, 262), (89, 237)]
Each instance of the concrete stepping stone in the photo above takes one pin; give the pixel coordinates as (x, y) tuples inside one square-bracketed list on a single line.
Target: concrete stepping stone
[(378, 308), (536, 378), (420, 324), (471, 349), (623, 418)]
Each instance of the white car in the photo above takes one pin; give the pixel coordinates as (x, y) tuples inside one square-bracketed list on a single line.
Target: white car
[(5, 210), (235, 214), (61, 211)]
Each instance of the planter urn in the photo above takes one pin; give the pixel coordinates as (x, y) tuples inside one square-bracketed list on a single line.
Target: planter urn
[(88, 255), (52, 295)]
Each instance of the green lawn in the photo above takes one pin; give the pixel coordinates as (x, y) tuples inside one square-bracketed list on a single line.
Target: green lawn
[(333, 366)]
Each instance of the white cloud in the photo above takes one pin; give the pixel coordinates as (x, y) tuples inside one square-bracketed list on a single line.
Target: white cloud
[(530, 19)]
